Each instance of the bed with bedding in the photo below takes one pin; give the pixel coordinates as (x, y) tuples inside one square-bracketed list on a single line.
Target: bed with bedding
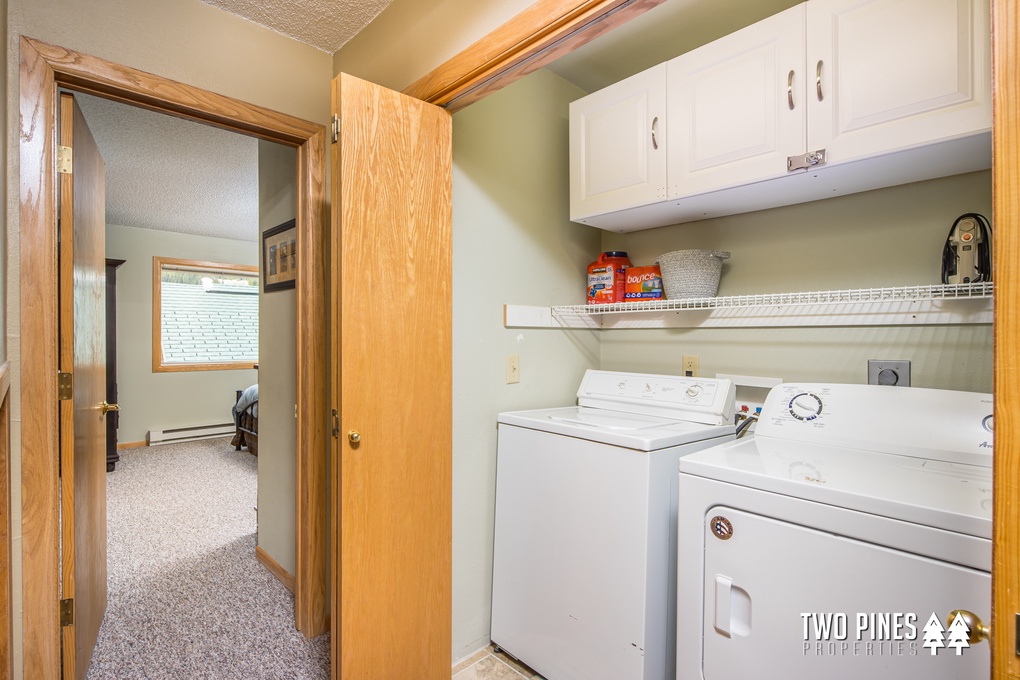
[(246, 420)]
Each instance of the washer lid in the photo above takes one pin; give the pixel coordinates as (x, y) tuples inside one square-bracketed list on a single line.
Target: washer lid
[(629, 430), (937, 493)]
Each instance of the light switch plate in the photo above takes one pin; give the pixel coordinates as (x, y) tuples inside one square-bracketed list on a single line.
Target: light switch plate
[(513, 369), (889, 372)]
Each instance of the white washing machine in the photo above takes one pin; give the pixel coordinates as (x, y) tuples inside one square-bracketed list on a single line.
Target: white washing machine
[(822, 546), (584, 567)]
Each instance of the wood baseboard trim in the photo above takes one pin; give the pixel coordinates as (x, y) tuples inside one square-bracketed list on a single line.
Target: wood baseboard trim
[(274, 568), (131, 445)]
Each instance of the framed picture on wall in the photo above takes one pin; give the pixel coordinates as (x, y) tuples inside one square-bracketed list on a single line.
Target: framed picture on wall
[(279, 257)]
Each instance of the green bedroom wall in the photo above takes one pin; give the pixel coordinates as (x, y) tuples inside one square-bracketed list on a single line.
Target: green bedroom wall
[(157, 401), (277, 366)]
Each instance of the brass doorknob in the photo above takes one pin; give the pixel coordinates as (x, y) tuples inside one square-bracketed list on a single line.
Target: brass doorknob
[(977, 630), (106, 408), (354, 437)]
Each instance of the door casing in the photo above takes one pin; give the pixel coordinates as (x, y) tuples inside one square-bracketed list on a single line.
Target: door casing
[(44, 68)]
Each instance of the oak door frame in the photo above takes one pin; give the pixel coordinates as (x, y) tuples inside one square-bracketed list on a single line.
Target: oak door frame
[(44, 68), (6, 640), (1006, 217)]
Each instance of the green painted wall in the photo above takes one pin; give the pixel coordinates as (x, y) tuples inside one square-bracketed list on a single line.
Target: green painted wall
[(887, 237), (512, 243)]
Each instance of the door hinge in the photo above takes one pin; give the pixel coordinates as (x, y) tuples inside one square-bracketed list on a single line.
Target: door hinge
[(65, 386), (336, 424), (65, 160), (805, 160), (336, 128), (66, 612)]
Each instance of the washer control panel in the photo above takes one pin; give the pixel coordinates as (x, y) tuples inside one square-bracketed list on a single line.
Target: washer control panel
[(700, 400)]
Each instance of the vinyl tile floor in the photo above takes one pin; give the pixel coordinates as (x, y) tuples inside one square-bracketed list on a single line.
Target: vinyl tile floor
[(488, 664)]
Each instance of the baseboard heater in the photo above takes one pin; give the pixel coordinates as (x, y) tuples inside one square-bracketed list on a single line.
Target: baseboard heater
[(190, 434)]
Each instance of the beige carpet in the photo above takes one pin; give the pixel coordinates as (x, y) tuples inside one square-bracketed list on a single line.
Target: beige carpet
[(187, 599)]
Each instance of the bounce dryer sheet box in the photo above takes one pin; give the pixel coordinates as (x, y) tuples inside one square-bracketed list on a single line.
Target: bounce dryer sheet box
[(643, 283)]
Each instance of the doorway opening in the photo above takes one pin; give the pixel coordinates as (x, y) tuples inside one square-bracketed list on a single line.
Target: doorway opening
[(44, 68)]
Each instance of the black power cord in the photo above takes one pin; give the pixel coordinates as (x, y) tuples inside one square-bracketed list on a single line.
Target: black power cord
[(950, 258)]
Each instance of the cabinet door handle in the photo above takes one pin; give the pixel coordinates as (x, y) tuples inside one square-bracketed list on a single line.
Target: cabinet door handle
[(789, 90), (655, 125), (818, 80)]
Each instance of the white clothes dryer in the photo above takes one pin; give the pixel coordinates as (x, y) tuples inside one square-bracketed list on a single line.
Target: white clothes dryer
[(823, 546), (584, 567)]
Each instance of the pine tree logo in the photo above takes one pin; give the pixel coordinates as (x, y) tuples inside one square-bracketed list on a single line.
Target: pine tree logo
[(959, 634), (934, 635)]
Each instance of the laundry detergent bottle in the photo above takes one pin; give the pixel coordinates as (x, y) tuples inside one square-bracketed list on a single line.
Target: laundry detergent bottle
[(607, 279)]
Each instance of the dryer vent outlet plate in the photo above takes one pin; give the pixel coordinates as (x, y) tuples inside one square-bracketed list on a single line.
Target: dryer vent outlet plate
[(895, 373)]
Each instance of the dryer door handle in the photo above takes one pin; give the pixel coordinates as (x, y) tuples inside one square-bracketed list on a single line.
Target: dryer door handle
[(732, 608), (723, 589)]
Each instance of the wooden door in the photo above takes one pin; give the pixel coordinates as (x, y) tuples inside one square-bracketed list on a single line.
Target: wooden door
[(896, 74), (392, 386), (83, 355), (737, 107), (618, 146)]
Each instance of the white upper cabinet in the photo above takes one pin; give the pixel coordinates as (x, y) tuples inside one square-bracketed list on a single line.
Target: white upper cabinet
[(618, 146), (825, 99), (896, 74), (736, 106)]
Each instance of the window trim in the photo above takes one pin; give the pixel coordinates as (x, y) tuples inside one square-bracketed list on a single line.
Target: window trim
[(158, 366)]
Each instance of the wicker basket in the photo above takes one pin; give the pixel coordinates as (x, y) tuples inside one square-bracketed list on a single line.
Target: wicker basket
[(691, 273)]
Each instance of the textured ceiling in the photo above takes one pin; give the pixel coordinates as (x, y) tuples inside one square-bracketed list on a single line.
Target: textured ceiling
[(325, 24), (170, 174)]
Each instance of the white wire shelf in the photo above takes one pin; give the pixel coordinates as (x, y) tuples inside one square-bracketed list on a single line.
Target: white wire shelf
[(899, 305)]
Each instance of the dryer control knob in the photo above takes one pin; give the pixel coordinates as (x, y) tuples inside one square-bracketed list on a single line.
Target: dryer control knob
[(805, 406), (694, 391)]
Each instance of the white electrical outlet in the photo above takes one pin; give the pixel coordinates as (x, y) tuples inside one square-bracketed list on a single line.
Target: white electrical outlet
[(690, 365), (887, 372), (513, 369)]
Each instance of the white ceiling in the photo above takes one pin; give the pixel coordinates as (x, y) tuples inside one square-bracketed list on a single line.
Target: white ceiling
[(325, 24), (170, 174)]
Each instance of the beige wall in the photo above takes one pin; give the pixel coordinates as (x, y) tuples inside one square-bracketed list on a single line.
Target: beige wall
[(156, 401), (277, 364), (512, 243), (186, 40), (888, 237), (410, 37)]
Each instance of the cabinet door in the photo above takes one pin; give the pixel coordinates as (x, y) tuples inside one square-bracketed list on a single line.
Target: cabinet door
[(896, 74), (736, 106), (617, 146)]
